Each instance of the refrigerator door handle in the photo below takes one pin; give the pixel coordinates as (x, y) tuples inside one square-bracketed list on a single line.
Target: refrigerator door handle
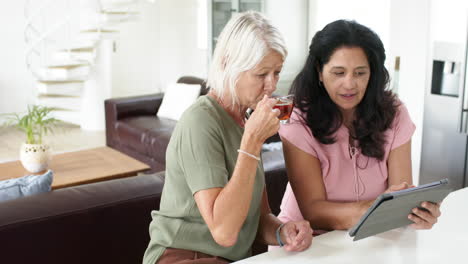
[(463, 120), (463, 124)]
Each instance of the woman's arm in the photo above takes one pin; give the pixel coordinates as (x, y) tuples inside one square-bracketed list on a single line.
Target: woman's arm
[(305, 177), (306, 180), (399, 171), (268, 223), (225, 209), (296, 235), (399, 165)]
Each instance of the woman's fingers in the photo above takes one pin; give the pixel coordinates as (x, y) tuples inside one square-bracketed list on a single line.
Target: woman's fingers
[(276, 111), (425, 217), (306, 241), (264, 121), (398, 187), (300, 246), (419, 223), (266, 103), (434, 208), (304, 231), (288, 233), (298, 236)]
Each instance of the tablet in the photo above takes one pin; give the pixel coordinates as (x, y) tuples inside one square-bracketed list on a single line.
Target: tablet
[(391, 210)]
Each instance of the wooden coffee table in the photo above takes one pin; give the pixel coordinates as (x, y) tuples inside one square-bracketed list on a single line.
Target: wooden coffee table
[(81, 167)]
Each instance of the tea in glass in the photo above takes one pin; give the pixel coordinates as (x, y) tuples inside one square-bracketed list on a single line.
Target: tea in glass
[(285, 105)]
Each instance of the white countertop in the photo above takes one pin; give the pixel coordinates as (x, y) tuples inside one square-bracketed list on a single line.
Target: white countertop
[(446, 242)]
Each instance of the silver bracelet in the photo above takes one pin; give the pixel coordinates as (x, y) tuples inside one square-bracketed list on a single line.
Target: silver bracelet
[(278, 236), (248, 154)]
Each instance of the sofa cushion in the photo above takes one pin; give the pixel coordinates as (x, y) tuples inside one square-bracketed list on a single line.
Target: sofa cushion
[(177, 98), (27, 185), (146, 134)]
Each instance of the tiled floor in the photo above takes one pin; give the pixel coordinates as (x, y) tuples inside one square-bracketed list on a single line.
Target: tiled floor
[(66, 137)]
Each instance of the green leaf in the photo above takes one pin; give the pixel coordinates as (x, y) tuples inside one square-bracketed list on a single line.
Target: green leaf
[(36, 123)]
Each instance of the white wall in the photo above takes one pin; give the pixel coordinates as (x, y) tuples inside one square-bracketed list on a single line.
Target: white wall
[(15, 80), (373, 14), (448, 18), (162, 45), (158, 49), (291, 19), (135, 64), (179, 53), (409, 39)]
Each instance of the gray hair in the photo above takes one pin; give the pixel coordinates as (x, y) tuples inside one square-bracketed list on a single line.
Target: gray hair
[(242, 44)]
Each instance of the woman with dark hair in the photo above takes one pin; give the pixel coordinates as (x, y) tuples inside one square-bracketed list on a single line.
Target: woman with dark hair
[(349, 138)]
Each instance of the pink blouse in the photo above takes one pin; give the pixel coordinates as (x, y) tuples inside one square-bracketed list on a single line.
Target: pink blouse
[(348, 176)]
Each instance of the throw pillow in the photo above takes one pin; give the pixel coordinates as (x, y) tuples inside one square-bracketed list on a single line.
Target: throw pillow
[(26, 185), (177, 98)]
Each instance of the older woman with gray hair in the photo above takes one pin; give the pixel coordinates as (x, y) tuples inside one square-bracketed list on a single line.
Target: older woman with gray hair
[(214, 203)]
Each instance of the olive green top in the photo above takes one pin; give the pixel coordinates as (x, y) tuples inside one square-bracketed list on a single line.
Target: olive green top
[(201, 154)]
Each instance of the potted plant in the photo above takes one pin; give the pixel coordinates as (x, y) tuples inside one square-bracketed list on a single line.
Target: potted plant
[(36, 123)]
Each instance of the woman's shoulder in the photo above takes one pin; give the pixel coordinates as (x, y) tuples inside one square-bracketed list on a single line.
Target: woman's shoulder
[(296, 130), (203, 111), (298, 116), (296, 122), (402, 127), (401, 113)]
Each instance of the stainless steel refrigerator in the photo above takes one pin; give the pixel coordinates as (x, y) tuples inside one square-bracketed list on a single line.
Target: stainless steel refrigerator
[(444, 140)]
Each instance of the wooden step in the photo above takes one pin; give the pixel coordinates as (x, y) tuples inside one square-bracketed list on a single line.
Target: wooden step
[(99, 34), (61, 63), (63, 73), (112, 17), (83, 54), (80, 49), (78, 43), (61, 102), (70, 66), (110, 3), (68, 88)]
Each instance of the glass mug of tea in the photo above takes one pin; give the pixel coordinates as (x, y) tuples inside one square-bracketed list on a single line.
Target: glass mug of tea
[(285, 105)]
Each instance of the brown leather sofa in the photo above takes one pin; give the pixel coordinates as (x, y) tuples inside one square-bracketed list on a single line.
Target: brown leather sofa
[(105, 222)]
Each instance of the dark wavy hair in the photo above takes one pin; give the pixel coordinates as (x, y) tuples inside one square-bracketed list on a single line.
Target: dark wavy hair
[(373, 115)]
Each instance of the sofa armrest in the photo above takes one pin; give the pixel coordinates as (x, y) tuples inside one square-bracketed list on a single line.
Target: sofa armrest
[(119, 108)]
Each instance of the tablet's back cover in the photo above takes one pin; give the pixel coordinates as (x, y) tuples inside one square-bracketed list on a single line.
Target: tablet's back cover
[(394, 213)]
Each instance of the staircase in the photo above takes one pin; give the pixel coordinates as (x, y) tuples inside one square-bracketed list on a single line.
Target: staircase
[(69, 53)]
